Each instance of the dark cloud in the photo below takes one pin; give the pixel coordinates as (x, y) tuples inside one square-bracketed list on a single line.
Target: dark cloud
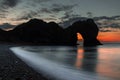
[(106, 24), (65, 23), (28, 15), (108, 29), (29, 9), (50, 19), (56, 8), (45, 10), (60, 7), (102, 30), (40, 1), (33, 3), (67, 9), (69, 15), (69, 18), (2, 16), (10, 3), (53, 16), (3, 13), (107, 18), (5, 5)]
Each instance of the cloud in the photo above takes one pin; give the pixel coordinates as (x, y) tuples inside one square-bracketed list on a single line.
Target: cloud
[(109, 29), (3, 13), (29, 9), (56, 8), (67, 22), (5, 5), (27, 15), (10, 3), (33, 3), (39, 1), (11, 6), (106, 24), (66, 9), (60, 7), (45, 10), (69, 15), (50, 19), (105, 30)]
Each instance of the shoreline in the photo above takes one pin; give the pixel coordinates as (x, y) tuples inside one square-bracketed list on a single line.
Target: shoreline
[(12, 68)]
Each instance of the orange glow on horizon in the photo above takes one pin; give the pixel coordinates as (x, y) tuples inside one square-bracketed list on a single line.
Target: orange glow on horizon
[(105, 36), (109, 36)]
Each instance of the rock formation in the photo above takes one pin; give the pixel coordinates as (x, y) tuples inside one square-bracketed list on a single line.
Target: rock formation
[(39, 32), (88, 29)]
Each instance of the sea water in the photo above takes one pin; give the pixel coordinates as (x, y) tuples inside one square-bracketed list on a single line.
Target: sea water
[(73, 62)]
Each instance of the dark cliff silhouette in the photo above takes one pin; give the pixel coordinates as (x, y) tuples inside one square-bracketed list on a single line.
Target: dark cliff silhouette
[(39, 32)]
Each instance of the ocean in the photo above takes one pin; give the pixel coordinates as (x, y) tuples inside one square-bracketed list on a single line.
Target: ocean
[(73, 62)]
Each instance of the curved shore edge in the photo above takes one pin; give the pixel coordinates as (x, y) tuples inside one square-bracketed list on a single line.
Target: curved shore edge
[(12, 68), (51, 69)]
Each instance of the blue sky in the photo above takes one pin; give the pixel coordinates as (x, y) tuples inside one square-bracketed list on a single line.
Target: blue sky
[(16, 11)]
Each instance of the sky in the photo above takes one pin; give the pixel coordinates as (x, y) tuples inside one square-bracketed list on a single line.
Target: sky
[(18, 11)]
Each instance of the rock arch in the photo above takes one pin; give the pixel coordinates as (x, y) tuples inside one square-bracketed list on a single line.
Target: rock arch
[(88, 29)]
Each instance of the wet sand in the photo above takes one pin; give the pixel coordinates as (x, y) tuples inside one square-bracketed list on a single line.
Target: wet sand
[(73, 63), (12, 68)]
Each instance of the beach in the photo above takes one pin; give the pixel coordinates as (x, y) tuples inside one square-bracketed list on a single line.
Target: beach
[(59, 62), (73, 62), (12, 68)]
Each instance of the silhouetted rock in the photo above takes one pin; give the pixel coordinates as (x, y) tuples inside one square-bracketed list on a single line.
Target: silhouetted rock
[(3, 36), (39, 32), (6, 26), (89, 31)]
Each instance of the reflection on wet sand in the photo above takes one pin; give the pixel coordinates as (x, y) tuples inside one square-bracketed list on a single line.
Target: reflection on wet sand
[(86, 58), (102, 61), (109, 62)]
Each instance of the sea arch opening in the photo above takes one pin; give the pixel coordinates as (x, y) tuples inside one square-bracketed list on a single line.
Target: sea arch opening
[(79, 39)]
